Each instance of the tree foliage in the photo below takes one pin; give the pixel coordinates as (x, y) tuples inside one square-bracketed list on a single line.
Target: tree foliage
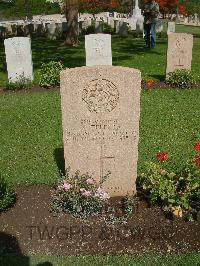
[(22, 8)]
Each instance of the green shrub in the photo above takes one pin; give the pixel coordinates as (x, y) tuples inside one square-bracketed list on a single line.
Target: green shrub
[(7, 195), (90, 29), (173, 191), (79, 195), (181, 78), (22, 83), (49, 74), (108, 29)]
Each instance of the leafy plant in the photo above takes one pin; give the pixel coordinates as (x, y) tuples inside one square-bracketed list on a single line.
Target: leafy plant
[(108, 29), (89, 30), (79, 195), (7, 195), (175, 192), (22, 83), (49, 74), (181, 78)]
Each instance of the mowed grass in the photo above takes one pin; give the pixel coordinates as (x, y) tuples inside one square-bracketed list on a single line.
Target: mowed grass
[(134, 260), (127, 52), (31, 132)]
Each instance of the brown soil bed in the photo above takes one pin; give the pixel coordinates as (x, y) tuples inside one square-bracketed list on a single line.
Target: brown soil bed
[(37, 88), (163, 85), (30, 228)]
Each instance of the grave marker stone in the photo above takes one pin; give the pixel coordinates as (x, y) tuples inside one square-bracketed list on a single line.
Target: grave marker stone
[(19, 58), (100, 118), (171, 27), (98, 49), (179, 52), (98, 26)]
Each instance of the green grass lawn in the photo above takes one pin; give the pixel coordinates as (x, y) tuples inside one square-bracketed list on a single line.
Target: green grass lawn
[(190, 259), (31, 132), (126, 52)]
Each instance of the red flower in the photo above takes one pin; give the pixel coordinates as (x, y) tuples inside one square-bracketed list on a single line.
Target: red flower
[(162, 156), (197, 146), (197, 161), (149, 83)]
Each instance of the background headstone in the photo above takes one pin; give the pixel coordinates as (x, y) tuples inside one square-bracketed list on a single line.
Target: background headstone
[(100, 118), (98, 49), (98, 26), (179, 52), (19, 58), (159, 26), (140, 25), (171, 27)]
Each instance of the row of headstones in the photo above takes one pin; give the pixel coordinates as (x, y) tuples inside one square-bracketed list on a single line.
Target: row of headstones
[(193, 19), (98, 52), (120, 26), (52, 29)]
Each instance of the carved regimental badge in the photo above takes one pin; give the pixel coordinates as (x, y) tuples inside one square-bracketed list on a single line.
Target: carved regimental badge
[(100, 95)]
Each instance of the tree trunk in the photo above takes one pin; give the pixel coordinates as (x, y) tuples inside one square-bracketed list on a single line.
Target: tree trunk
[(72, 22)]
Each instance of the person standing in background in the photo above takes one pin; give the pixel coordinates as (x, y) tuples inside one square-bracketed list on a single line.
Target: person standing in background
[(150, 13)]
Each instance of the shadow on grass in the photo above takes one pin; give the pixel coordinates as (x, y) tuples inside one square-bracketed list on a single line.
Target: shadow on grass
[(159, 77), (11, 254), (60, 161), (45, 50)]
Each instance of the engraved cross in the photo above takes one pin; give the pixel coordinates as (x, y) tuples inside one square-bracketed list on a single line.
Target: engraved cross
[(102, 158), (179, 62)]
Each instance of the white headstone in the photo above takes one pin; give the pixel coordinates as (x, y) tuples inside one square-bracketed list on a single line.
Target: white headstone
[(51, 29), (140, 25), (159, 26), (171, 27), (98, 49), (179, 52), (19, 58), (132, 23), (111, 23)]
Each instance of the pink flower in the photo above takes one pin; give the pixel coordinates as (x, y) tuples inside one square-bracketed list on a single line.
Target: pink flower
[(85, 192), (100, 193), (90, 181), (66, 185)]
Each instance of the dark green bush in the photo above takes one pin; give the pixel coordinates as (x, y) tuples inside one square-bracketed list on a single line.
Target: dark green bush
[(181, 78), (107, 29), (90, 29), (7, 195)]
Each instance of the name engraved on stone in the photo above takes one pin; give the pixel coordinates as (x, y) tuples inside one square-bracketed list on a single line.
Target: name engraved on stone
[(100, 95)]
